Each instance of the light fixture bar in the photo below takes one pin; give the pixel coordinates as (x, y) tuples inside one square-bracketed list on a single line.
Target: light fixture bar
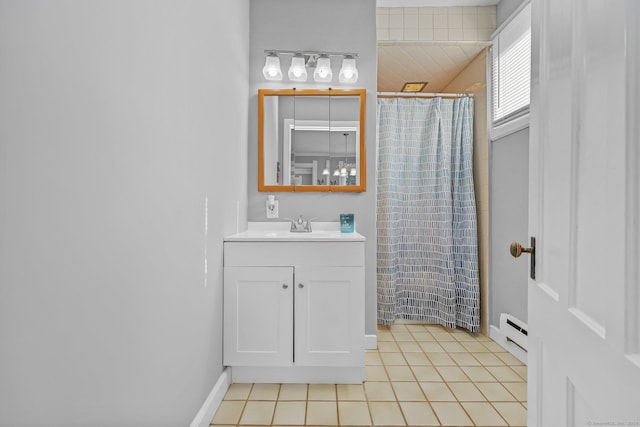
[(309, 52)]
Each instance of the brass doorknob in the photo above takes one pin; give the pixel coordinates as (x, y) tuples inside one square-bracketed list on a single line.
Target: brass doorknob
[(516, 249)]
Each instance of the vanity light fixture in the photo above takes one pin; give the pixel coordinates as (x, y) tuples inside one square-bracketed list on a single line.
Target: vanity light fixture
[(271, 70), (348, 72), (317, 60), (323, 73)]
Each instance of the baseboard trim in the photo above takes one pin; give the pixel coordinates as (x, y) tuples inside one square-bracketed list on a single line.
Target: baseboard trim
[(496, 335), (370, 342), (210, 406)]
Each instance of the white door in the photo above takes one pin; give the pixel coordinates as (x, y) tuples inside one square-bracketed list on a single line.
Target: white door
[(329, 316), (584, 305), (258, 316)]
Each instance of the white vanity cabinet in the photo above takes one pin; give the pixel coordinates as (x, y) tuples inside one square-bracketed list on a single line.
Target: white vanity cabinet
[(294, 308)]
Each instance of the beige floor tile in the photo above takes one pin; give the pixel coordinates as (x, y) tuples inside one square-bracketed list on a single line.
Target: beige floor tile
[(238, 392), (521, 370), (437, 392), (452, 373), (372, 357), (478, 373), (386, 414), (393, 359), (293, 392), (398, 327), (431, 347), (376, 373), (435, 328), (290, 413), (379, 391), (419, 414), (509, 359), (322, 392), (494, 346), (519, 390), (258, 413), (423, 336), (228, 412), (464, 337), (475, 346), (417, 359), (400, 373), (488, 359), (504, 373), (408, 391), (426, 373), (264, 392), (403, 336), (483, 414), (322, 413), (388, 347), (384, 336), (451, 414), (409, 347), (443, 336), (351, 392), (354, 413), (466, 392), (514, 413), (464, 359), (416, 328), (441, 359), (495, 392), (453, 347)]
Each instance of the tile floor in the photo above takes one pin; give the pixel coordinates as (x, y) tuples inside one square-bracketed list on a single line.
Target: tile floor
[(421, 375)]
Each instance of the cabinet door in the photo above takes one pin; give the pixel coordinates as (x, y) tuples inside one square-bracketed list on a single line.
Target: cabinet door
[(258, 316), (329, 316)]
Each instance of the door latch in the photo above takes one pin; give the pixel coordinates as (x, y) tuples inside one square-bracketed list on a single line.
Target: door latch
[(516, 250)]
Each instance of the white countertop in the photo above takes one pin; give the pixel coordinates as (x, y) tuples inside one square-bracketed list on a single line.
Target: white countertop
[(278, 231)]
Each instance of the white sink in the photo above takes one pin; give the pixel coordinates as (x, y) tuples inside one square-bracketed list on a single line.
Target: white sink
[(279, 232)]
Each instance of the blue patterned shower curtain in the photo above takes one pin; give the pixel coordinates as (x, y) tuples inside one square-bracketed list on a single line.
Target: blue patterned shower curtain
[(427, 233)]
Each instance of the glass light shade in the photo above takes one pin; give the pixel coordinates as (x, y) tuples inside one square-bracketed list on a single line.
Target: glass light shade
[(298, 70), (348, 72), (325, 171), (343, 171), (336, 172), (323, 71), (353, 172), (271, 70)]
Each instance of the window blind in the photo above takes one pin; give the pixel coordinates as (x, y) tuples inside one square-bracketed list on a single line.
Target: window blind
[(512, 68)]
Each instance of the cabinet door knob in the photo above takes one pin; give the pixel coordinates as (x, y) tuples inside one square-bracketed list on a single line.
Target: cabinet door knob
[(285, 286), (300, 285)]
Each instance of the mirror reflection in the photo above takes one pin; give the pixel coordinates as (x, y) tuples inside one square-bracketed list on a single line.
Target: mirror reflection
[(311, 141)]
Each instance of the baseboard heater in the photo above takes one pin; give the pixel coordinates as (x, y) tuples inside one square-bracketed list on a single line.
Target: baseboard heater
[(514, 329)]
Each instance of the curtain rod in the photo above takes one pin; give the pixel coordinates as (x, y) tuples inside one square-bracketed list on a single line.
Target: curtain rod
[(423, 94)]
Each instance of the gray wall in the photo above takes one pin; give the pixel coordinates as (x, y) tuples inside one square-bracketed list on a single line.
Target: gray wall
[(116, 121), (330, 25), (505, 8), (509, 222)]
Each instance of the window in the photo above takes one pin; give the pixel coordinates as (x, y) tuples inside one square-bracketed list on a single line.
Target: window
[(512, 68)]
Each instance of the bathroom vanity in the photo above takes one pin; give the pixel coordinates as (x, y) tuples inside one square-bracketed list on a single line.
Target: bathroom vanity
[(294, 305)]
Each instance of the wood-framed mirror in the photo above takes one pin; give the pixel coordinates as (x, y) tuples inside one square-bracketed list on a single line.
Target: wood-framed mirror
[(311, 140)]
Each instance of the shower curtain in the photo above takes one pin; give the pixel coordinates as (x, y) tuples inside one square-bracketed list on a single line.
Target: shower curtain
[(426, 214)]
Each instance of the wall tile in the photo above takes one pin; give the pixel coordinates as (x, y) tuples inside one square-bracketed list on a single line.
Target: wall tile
[(383, 34), (382, 21), (470, 21), (396, 21), (396, 11), (426, 11), (455, 20), (455, 34), (396, 34), (411, 34), (440, 21), (425, 34), (411, 21), (486, 9), (470, 34), (440, 34), (487, 21), (411, 10), (425, 21)]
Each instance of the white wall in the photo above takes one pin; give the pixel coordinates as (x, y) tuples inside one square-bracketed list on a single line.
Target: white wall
[(117, 120), (509, 219), (330, 25)]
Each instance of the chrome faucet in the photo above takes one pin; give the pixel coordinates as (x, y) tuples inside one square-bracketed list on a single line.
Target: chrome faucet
[(300, 225)]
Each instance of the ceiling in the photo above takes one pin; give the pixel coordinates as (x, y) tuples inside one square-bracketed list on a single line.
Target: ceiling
[(435, 62)]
